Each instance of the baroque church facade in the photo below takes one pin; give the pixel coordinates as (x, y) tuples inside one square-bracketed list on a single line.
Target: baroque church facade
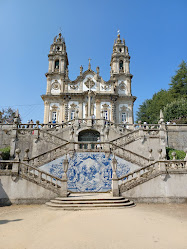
[(88, 96)]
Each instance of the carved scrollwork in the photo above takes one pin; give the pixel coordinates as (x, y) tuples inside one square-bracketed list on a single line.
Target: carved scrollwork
[(122, 86), (74, 87), (55, 85), (106, 87)]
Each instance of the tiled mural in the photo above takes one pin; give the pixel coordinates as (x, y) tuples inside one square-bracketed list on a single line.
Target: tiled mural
[(89, 172)]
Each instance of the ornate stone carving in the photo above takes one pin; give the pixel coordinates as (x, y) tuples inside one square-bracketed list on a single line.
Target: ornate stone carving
[(73, 106), (89, 83), (106, 87), (55, 85), (123, 108), (74, 87), (105, 106), (122, 86)]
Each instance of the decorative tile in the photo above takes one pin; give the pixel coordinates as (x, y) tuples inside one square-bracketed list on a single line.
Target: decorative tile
[(89, 172)]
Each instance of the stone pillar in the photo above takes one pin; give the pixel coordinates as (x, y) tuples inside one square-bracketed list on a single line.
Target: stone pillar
[(98, 109), (50, 66), (46, 112), (62, 66), (64, 192), (81, 109), (13, 140), (62, 85), (60, 113), (130, 118), (48, 85), (89, 104), (115, 187), (15, 167)]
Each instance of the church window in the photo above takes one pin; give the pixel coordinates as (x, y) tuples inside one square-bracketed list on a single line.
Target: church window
[(54, 116), (72, 114), (105, 114), (123, 117), (121, 65), (120, 50), (56, 64)]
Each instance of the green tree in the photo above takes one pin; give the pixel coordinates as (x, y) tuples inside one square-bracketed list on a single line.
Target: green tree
[(179, 82), (8, 115), (176, 111), (149, 110)]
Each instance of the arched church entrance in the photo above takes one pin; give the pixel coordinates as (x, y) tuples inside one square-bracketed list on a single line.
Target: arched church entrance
[(88, 136), (89, 171)]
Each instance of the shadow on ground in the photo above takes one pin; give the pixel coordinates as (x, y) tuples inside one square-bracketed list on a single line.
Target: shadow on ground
[(7, 221)]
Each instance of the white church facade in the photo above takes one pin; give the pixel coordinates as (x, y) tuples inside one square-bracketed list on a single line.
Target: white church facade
[(88, 95)]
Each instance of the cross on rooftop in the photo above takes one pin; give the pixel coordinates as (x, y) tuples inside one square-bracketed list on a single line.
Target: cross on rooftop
[(89, 65)]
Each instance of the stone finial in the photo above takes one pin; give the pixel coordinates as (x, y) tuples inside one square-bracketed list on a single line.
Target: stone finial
[(173, 155), (17, 151), (81, 70), (26, 156), (54, 39), (17, 114), (89, 64), (97, 70), (126, 50), (161, 117), (37, 123)]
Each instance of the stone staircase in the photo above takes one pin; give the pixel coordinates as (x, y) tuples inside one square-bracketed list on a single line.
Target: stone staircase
[(89, 201)]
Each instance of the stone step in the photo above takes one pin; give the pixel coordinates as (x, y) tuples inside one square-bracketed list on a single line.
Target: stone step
[(91, 201), (90, 206), (83, 198), (66, 202)]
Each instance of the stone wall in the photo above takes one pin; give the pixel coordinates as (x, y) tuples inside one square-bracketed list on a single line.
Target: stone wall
[(177, 136), (22, 191), (4, 136), (161, 189)]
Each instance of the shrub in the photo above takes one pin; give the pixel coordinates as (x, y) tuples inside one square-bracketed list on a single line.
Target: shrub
[(5, 153), (180, 154)]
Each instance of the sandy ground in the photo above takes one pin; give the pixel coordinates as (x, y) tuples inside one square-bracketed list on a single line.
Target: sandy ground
[(153, 226)]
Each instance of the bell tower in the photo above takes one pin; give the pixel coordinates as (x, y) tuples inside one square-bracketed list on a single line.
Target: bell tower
[(58, 63), (120, 59), (120, 74)]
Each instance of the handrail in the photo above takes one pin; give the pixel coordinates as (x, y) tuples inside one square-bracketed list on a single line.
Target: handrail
[(134, 131), (44, 131), (152, 164), (41, 171), (129, 151), (44, 153)]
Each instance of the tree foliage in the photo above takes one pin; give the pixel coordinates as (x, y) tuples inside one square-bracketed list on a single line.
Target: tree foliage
[(176, 111), (179, 82), (150, 109), (8, 115)]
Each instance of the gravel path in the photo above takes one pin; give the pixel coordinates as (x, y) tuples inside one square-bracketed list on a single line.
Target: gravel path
[(153, 226)]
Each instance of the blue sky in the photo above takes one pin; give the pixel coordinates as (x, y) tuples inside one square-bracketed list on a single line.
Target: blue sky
[(154, 31)]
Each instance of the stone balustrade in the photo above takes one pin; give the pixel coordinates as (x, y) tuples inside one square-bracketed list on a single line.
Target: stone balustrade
[(33, 174), (129, 155), (6, 165), (143, 174)]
